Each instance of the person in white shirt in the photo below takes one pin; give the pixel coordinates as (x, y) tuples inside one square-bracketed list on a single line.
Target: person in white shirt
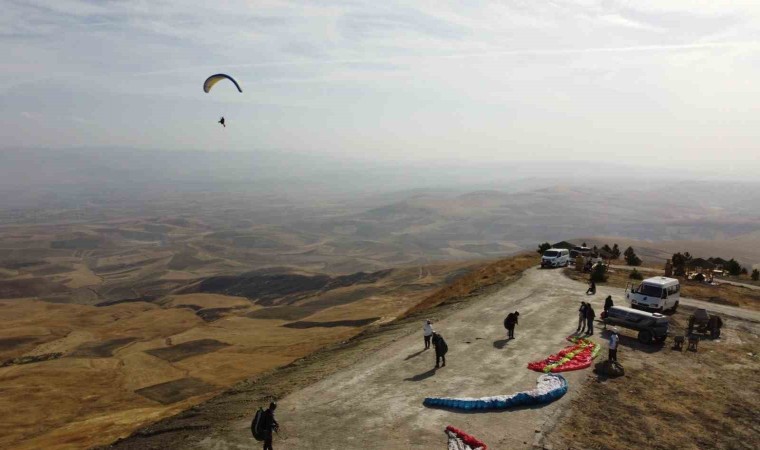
[(427, 331), (614, 339)]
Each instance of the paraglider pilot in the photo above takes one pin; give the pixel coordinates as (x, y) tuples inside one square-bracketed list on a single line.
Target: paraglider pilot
[(270, 425), (440, 349), (222, 122)]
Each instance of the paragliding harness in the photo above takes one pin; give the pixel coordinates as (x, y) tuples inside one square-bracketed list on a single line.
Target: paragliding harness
[(257, 425)]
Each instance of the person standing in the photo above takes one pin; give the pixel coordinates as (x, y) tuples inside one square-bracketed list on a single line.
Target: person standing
[(439, 344), (614, 339), (581, 318), (270, 425), (590, 315), (608, 304), (509, 324), (427, 331)]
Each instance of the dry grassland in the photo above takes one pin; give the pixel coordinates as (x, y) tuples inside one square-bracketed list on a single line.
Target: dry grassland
[(670, 399)]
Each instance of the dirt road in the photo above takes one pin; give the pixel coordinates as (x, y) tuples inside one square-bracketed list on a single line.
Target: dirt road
[(377, 404)]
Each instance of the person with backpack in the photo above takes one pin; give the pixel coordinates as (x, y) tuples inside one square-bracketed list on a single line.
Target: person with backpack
[(269, 425), (581, 318), (427, 332), (439, 344), (608, 304), (509, 324), (590, 315)]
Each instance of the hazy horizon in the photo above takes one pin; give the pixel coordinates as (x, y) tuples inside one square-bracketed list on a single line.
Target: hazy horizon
[(639, 83)]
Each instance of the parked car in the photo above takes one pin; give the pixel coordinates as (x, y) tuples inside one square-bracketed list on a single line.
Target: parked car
[(580, 251), (655, 294), (652, 327), (555, 257)]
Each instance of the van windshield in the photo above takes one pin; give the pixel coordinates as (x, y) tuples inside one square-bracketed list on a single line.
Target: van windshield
[(551, 253), (650, 291)]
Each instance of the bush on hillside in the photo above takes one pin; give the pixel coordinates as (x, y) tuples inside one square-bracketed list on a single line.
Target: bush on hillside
[(599, 274), (631, 258), (635, 275), (733, 267), (543, 247), (615, 251)]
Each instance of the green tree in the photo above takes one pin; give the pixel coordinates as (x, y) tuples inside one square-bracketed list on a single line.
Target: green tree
[(680, 262), (743, 271), (733, 267), (631, 258), (599, 274), (635, 275), (543, 247), (615, 251), (755, 275)]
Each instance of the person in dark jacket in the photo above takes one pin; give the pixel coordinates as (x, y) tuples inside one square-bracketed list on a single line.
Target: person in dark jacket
[(581, 318), (590, 315), (591, 288), (608, 304), (270, 425), (440, 350), (509, 324)]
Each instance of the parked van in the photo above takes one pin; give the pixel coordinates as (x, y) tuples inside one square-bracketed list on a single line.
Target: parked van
[(655, 294), (555, 257), (579, 251), (651, 326)]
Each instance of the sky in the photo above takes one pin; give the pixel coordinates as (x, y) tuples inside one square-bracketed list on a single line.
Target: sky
[(647, 82)]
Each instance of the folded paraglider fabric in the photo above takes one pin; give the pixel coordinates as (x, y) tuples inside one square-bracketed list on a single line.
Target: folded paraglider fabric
[(578, 356), (459, 440), (549, 387)]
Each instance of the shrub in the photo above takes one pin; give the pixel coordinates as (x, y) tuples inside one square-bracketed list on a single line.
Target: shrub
[(599, 273), (635, 275), (733, 267), (543, 247), (631, 258), (755, 275)]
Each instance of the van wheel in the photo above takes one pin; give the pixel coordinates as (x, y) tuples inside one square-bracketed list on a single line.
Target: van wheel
[(675, 307), (645, 337), (660, 339)]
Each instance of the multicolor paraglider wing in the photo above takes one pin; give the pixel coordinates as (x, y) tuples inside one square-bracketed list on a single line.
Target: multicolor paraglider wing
[(459, 440), (576, 357), (549, 387), (213, 79)]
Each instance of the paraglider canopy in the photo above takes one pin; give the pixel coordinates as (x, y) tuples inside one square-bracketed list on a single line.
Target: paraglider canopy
[(213, 79)]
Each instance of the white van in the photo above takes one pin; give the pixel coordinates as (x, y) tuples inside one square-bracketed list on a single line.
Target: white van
[(655, 294), (555, 257)]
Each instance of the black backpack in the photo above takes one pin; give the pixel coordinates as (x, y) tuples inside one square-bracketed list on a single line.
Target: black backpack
[(257, 425)]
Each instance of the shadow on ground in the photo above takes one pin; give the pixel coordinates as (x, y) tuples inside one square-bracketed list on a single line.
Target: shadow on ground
[(414, 355), (500, 343), (422, 376)]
